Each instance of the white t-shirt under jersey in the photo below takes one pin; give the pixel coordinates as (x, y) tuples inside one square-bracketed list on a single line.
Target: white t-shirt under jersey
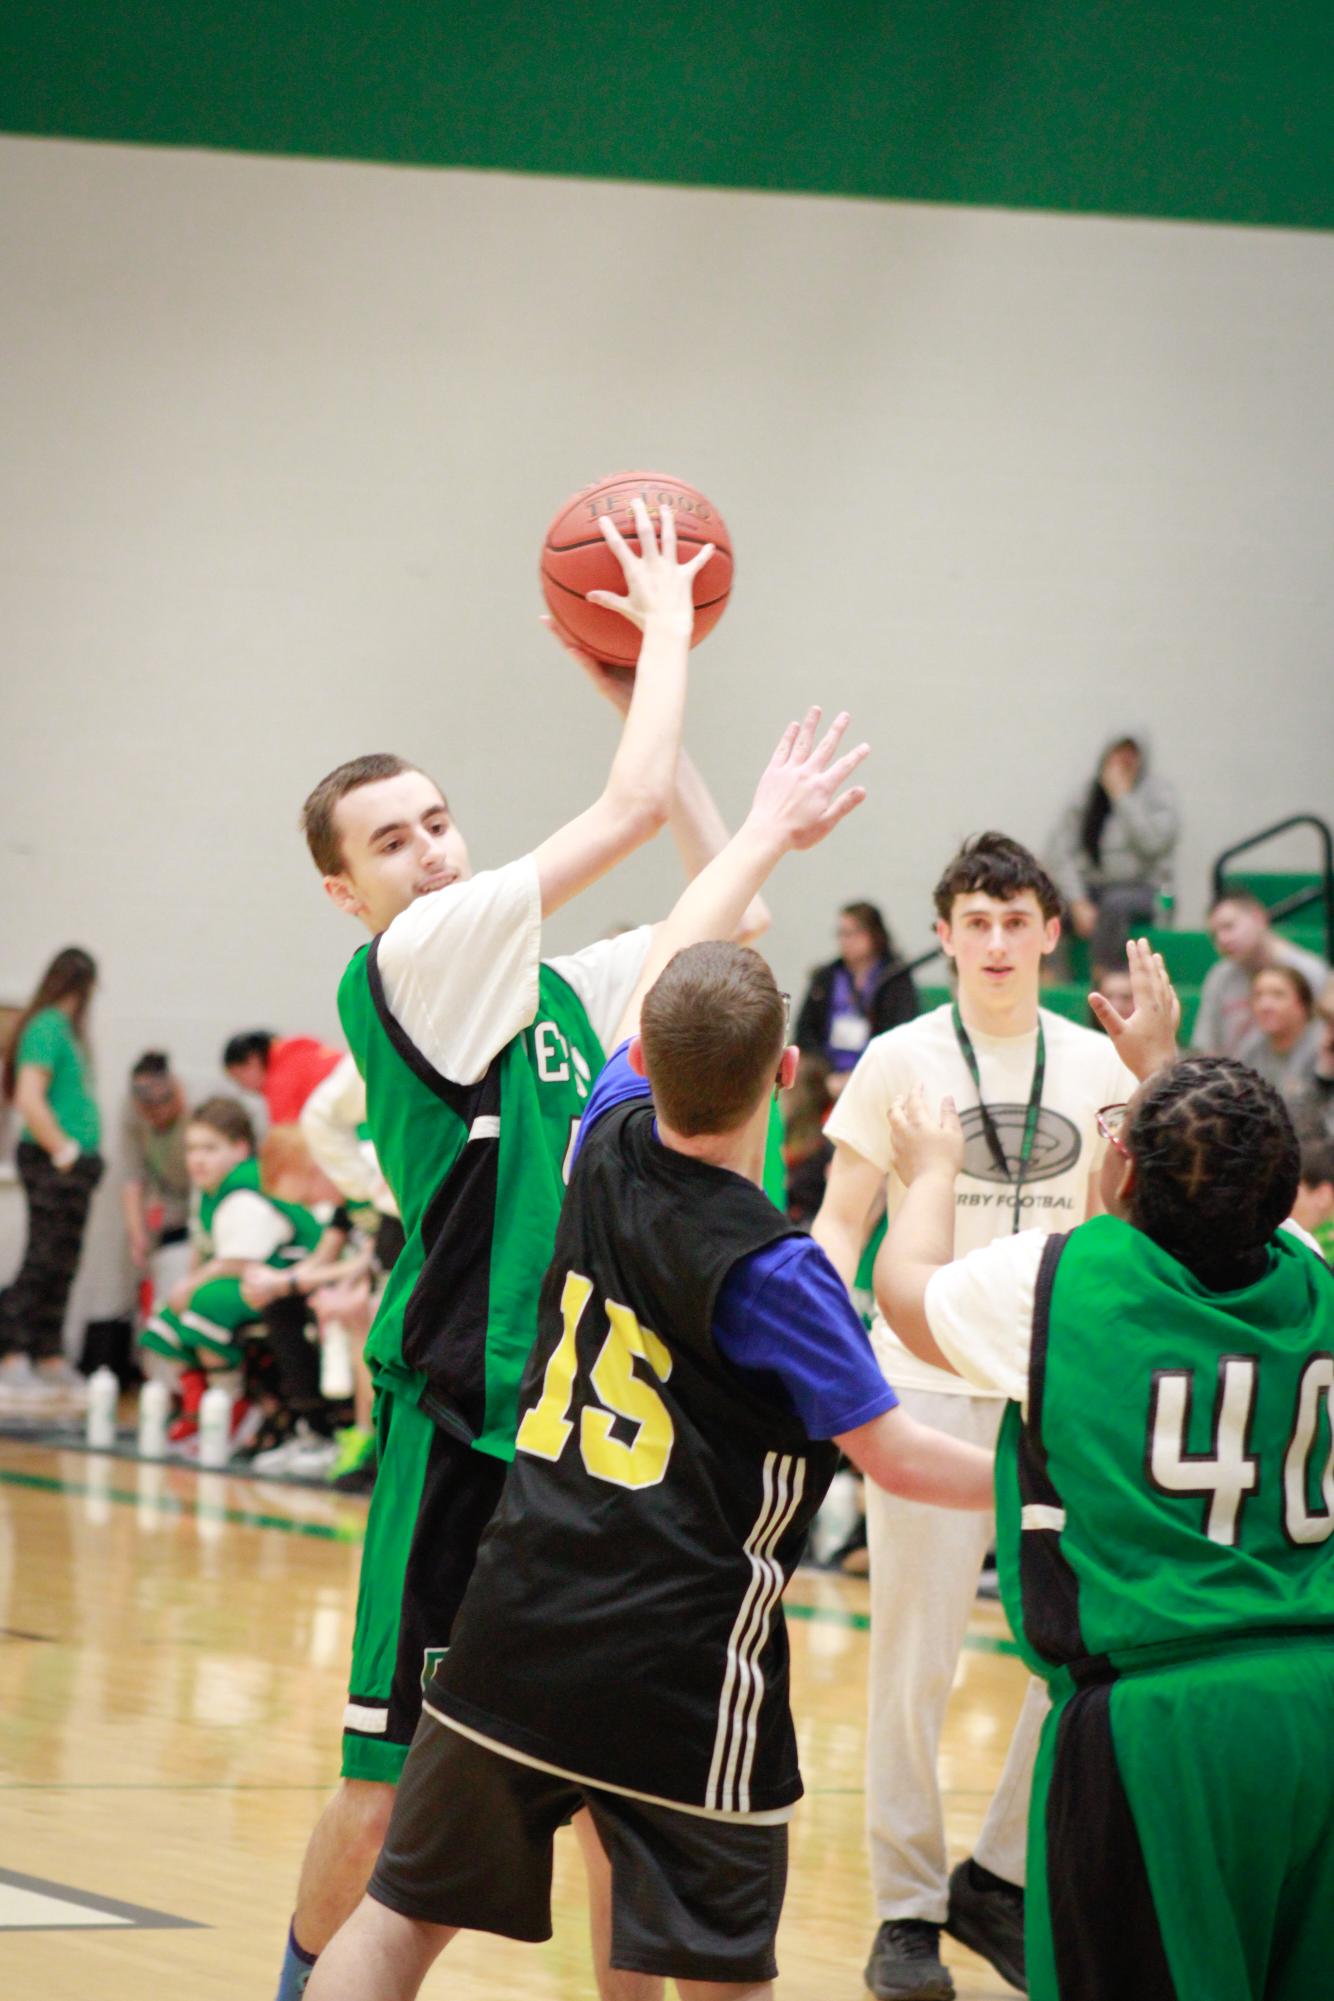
[(980, 1310), (1083, 1073), (460, 969)]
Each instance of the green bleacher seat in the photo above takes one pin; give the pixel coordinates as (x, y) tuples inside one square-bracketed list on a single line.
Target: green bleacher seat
[(1188, 955), (1272, 885)]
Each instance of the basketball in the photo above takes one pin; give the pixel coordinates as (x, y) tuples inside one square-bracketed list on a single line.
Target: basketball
[(576, 560)]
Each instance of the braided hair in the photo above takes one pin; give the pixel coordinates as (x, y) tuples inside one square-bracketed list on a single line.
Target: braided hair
[(1216, 1162)]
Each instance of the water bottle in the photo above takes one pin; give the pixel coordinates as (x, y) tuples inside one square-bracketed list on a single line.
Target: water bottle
[(154, 1400), (215, 1426), (100, 1422), (335, 1362)]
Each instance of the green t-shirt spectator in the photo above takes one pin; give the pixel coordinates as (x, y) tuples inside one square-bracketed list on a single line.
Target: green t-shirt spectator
[(50, 1042)]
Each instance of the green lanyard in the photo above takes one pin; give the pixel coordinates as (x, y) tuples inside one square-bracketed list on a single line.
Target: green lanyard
[(993, 1138)]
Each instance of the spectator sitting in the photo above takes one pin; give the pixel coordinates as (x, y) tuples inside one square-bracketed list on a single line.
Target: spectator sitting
[(1111, 854), (863, 992), (326, 1290), (1113, 983), (1285, 1041), (1314, 1206), (155, 1189), (1243, 938), (236, 1223), (281, 1069)]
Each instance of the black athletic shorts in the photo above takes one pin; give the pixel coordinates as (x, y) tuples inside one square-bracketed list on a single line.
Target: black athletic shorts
[(469, 1845)]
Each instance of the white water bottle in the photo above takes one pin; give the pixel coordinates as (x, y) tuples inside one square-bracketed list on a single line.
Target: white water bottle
[(100, 1423), (215, 1426), (154, 1399), (336, 1382)]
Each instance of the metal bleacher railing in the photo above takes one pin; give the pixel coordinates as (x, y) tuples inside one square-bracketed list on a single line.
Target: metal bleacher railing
[(1308, 892)]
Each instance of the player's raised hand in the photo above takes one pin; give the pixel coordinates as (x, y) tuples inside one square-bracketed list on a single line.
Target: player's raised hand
[(923, 1140), (657, 587), (1146, 1039), (798, 799)]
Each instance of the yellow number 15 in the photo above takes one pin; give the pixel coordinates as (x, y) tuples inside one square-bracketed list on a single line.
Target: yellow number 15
[(547, 1426)]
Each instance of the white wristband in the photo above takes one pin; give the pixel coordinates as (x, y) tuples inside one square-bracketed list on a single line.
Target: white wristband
[(67, 1154)]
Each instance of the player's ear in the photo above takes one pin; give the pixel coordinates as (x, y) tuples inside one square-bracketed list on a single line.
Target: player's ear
[(339, 891), (1051, 935), (944, 934), (634, 1055)]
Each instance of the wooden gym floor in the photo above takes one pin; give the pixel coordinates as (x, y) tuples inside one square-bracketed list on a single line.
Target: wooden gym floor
[(173, 1648)]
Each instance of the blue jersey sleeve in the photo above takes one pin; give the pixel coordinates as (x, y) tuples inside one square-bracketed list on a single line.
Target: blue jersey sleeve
[(784, 1316), (616, 1084)]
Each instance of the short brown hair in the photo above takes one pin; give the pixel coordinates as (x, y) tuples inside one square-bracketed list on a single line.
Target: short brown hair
[(1296, 979), (225, 1116), (317, 815), (712, 1024), (992, 864)]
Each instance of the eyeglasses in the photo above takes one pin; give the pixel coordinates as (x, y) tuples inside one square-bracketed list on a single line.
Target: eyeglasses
[(1111, 1124)]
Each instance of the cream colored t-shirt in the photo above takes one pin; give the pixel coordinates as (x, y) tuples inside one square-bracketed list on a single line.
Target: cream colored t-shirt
[(1083, 1073)]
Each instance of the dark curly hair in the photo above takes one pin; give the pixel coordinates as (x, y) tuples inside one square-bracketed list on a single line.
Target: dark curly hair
[(1216, 1167), (991, 864)]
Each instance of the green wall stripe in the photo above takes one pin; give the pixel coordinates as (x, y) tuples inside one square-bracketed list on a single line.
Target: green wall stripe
[(1208, 109), (255, 1518)]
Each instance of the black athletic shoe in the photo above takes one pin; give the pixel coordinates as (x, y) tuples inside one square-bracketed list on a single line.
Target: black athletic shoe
[(987, 1915), (905, 1963)]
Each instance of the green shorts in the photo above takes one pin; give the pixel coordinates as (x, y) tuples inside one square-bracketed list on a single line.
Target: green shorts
[(432, 1498), (216, 1320), (1181, 1838)]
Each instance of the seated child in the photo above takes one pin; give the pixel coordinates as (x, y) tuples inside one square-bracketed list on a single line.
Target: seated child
[(235, 1224)]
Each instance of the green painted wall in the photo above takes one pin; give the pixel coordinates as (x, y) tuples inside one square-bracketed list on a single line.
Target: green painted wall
[(1220, 111)]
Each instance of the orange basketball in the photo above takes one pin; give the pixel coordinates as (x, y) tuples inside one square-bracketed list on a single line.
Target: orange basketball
[(576, 560)]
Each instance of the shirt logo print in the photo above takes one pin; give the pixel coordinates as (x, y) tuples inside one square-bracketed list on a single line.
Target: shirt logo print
[(1056, 1144)]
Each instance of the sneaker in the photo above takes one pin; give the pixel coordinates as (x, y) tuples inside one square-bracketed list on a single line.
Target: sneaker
[(277, 1458), (24, 1390), (987, 1916), (303, 1452), (355, 1448), (313, 1459), (361, 1480), (64, 1381), (905, 1963)]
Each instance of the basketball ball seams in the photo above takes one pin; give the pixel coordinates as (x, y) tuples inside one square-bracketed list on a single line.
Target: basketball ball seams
[(567, 590)]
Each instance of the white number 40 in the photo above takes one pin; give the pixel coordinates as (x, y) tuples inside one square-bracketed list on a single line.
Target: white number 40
[(1230, 1471)]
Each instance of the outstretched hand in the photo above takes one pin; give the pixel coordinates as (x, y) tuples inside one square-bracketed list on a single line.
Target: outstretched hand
[(656, 585), (923, 1140), (1146, 1038), (798, 798)]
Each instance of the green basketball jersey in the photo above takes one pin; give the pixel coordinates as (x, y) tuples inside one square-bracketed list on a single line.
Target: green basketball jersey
[(478, 1173), (306, 1229), (1170, 1486)]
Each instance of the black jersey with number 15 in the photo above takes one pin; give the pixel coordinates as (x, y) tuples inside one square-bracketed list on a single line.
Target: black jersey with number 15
[(623, 1623)]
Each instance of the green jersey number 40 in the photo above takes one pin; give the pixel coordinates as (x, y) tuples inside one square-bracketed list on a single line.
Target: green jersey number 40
[(1229, 1472)]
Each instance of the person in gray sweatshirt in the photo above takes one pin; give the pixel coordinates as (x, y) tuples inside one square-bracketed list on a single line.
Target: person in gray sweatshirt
[(1111, 854), (1246, 944)]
